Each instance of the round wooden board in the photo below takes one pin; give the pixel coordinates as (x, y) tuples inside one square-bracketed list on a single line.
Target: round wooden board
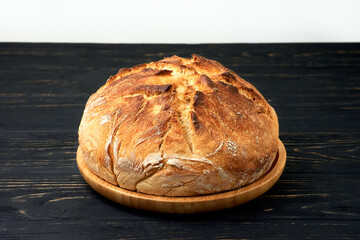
[(185, 205)]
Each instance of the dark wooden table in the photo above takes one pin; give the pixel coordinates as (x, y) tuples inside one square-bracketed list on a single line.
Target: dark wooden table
[(315, 89)]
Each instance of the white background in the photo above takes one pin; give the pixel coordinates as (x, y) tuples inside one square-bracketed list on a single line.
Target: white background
[(187, 21)]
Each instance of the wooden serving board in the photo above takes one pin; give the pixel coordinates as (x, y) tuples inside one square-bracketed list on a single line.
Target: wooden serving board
[(184, 205)]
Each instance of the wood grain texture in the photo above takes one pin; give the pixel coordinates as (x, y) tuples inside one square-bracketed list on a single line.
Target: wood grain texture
[(315, 89)]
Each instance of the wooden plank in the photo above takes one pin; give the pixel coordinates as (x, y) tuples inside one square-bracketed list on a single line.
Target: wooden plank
[(308, 152), (315, 89), (210, 228)]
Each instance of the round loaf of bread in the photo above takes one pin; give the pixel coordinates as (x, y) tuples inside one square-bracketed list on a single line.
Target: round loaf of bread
[(178, 127)]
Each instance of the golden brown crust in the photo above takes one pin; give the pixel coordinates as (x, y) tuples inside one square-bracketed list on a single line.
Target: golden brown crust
[(178, 127)]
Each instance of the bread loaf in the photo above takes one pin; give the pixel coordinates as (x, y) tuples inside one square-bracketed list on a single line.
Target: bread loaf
[(178, 127)]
